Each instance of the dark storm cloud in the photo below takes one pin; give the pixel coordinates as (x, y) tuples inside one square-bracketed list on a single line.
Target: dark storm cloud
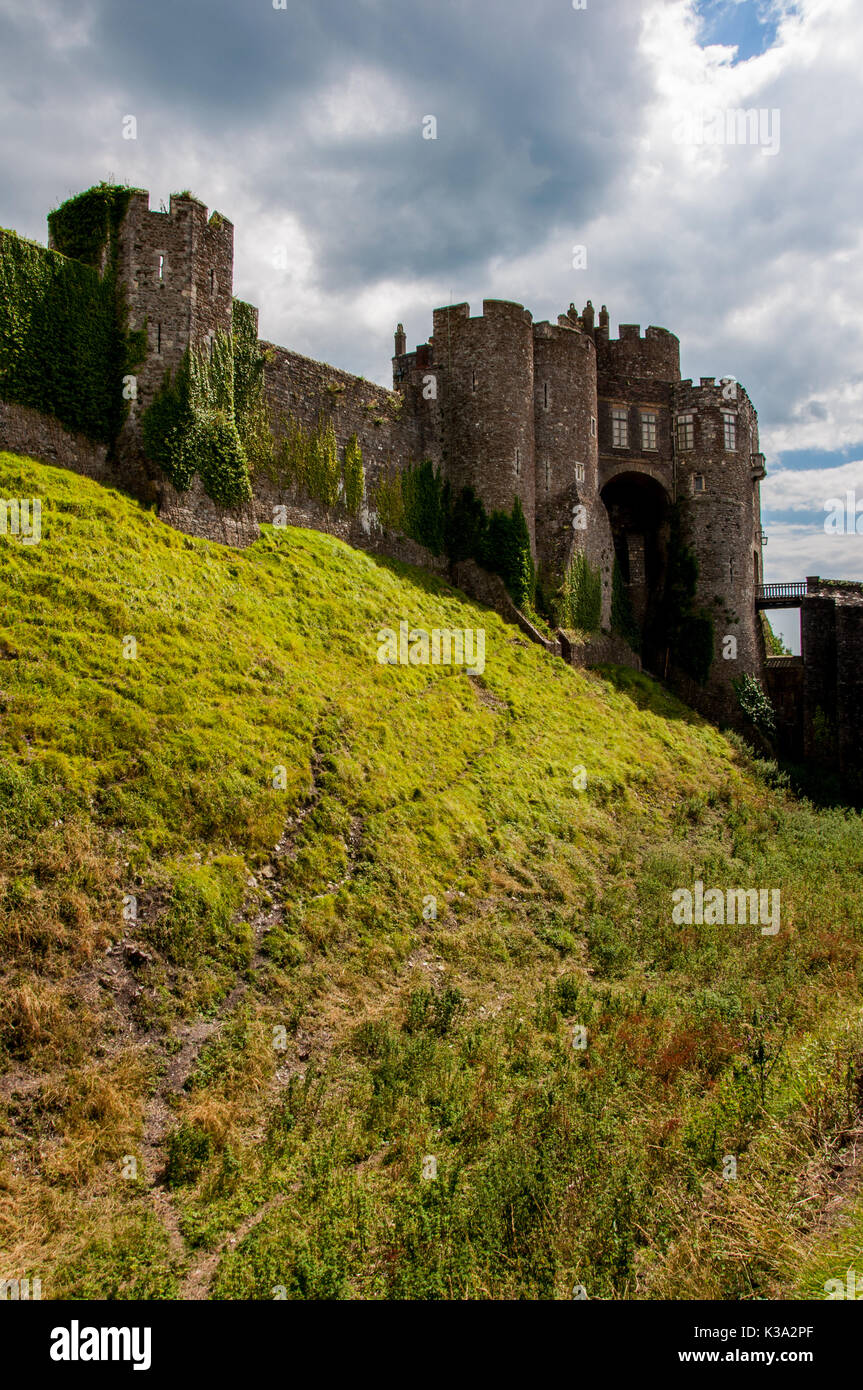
[(533, 103)]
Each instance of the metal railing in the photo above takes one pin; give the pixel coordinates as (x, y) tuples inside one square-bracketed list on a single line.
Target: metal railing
[(797, 589)]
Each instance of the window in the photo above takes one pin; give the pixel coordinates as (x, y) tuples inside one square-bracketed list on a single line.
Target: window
[(545, 396), (648, 429), (729, 424), (698, 483), (161, 267), (593, 426), (547, 475), (518, 463), (685, 432), (619, 429), (473, 382), (212, 282), (579, 472), (158, 337)]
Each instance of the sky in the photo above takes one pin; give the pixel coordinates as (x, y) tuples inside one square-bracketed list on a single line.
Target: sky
[(557, 123)]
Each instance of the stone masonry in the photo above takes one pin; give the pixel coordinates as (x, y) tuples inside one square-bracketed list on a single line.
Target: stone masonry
[(598, 437)]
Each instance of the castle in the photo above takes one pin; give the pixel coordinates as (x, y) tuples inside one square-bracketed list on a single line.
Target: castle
[(610, 454)]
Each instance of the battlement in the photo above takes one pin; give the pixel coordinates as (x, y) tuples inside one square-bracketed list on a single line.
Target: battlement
[(712, 393), (181, 206), (655, 356), (564, 331), (451, 317)]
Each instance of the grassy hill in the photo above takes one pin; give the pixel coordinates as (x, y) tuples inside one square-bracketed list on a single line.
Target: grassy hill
[(241, 1009)]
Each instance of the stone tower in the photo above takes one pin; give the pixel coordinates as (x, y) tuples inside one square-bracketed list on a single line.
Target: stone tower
[(177, 271), (569, 513), (486, 363)]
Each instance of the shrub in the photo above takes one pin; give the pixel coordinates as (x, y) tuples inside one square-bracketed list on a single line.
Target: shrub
[(755, 704), (189, 1150)]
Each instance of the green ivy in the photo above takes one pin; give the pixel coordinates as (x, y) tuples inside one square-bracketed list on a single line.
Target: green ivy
[(190, 426), (418, 502), (308, 460), (755, 704), (64, 348), (507, 552), (424, 505), (87, 227), (354, 475), (467, 527), (250, 407), (324, 474), (387, 500), (579, 601)]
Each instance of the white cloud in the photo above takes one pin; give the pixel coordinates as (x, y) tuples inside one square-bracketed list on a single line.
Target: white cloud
[(808, 489)]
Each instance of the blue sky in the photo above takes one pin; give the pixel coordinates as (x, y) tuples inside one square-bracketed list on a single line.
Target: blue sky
[(555, 127), (747, 25)]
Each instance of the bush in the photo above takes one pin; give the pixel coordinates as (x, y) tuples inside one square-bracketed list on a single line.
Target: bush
[(755, 704), (467, 525), (189, 1150)]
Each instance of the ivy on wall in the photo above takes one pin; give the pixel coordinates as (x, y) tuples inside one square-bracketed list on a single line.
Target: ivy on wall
[(419, 502), (578, 603), (87, 227), (386, 498), (64, 348), (756, 704), (250, 408), (308, 460), (354, 475), (190, 426)]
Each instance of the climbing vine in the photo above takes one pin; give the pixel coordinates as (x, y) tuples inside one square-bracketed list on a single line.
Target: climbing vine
[(308, 460), (64, 346), (354, 475), (579, 599), (250, 407), (755, 704), (190, 425)]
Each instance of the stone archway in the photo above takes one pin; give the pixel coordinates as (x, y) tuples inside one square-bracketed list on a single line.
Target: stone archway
[(638, 512)]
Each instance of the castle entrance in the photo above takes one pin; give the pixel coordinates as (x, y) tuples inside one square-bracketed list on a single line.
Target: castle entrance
[(637, 507)]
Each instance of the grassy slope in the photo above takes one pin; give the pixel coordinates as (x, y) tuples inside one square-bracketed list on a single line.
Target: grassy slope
[(292, 1160)]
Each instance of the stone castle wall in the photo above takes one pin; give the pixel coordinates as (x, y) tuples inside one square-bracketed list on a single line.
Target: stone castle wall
[(510, 408)]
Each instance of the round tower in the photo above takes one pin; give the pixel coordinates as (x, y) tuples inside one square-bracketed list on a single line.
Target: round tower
[(569, 513), (487, 368), (718, 469)]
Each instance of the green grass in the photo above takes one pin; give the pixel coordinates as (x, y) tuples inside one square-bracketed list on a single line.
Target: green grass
[(408, 1034)]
